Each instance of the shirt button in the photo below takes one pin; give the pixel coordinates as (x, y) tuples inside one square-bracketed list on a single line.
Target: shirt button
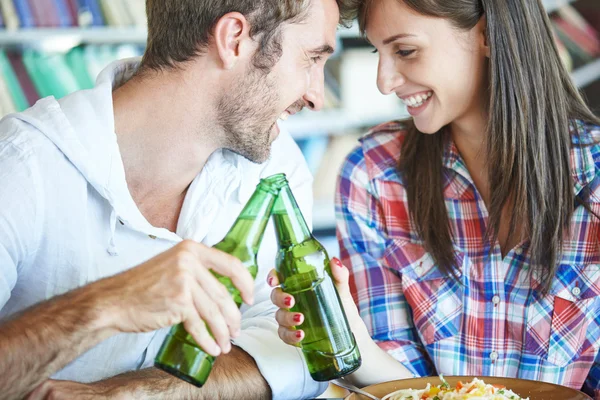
[(493, 356), (519, 251), (576, 291), (152, 236), (496, 299)]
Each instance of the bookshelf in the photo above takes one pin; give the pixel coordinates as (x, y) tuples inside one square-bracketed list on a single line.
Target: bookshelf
[(114, 35)]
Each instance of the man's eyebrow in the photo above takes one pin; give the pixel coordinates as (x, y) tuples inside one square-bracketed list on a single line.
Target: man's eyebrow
[(395, 37), (324, 49)]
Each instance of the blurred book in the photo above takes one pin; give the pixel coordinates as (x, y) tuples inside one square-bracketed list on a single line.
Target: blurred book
[(65, 17), (89, 13), (30, 75), (577, 35), (15, 14), (12, 83), (9, 14), (16, 61), (23, 9), (6, 103)]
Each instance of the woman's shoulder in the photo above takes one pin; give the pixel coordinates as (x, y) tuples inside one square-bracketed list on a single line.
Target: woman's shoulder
[(379, 150), (585, 154)]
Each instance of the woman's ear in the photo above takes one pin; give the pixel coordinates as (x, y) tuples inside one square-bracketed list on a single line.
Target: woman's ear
[(229, 33), (482, 32)]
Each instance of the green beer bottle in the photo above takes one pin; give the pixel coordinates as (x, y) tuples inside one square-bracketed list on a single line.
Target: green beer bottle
[(303, 269), (179, 354)]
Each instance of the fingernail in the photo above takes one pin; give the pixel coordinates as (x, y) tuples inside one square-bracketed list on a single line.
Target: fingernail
[(337, 262), (287, 301), (298, 334), (298, 318), (217, 350), (236, 333), (270, 280)]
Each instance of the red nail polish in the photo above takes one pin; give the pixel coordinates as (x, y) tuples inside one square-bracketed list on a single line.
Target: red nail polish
[(297, 318), (270, 280), (337, 262), (299, 334), (288, 301)]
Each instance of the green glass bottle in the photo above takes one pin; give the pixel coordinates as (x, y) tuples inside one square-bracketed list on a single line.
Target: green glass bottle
[(179, 354), (304, 271)]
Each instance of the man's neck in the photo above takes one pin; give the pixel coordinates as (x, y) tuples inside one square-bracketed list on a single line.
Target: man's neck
[(163, 135)]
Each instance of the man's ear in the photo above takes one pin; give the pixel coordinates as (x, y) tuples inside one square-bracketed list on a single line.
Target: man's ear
[(231, 34)]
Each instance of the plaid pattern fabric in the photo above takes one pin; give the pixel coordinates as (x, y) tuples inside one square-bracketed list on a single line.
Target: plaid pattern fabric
[(493, 322)]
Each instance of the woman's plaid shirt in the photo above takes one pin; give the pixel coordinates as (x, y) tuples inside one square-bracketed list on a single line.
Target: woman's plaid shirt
[(494, 322)]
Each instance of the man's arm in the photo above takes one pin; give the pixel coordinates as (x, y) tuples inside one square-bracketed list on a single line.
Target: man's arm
[(44, 339), (234, 376), (163, 291)]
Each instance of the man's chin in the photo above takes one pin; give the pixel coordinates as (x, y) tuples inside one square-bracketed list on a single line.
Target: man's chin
[(255, 157)]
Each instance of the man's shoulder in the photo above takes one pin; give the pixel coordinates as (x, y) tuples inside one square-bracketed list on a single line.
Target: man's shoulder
[(19, 139)]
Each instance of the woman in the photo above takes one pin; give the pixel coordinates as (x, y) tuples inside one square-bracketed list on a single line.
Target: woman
[(471, 232)]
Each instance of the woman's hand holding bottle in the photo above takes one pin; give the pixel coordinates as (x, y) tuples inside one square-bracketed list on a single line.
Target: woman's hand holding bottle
[(288, 321), (377, 365)]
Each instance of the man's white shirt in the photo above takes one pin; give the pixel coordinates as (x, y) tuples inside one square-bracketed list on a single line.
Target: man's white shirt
[(67, 219)]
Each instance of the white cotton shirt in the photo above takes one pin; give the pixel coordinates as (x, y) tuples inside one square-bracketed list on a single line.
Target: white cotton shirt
[(67, 219)]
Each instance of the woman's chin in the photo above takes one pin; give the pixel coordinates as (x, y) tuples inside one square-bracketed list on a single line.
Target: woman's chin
[(428, 128)]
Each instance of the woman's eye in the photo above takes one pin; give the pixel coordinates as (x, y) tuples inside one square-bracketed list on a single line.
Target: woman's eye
[(405, 53), (374, 51)]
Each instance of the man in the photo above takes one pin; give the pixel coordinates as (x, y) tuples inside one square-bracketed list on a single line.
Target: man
[(162, 150)]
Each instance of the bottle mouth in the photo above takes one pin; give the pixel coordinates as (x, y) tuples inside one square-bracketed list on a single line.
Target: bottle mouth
[(273, 183)]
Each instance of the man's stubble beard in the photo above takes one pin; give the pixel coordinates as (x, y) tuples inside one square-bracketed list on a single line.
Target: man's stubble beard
[(243, 115)]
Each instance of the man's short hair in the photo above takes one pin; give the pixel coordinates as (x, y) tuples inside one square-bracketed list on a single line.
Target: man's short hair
[(179, 30)]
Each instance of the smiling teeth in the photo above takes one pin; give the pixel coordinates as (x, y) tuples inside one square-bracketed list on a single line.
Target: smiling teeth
[(418, 100), (284, 116)]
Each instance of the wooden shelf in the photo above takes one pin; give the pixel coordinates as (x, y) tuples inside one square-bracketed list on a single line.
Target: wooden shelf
[(587, 74), (335, 121), (553, 5), (64, 39)]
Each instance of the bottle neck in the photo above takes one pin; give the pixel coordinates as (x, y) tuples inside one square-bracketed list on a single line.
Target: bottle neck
[(290, 226), (249, 228)]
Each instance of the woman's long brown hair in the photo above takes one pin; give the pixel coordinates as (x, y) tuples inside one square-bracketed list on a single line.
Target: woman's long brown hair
[(532, 103)]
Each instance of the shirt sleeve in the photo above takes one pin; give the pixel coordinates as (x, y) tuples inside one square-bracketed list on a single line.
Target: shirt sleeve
[(591, 386), (19, 214), (283, 366), (375, 286)]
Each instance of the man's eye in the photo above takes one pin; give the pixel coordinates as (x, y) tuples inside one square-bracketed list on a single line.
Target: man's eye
[(405, 53), (316, 59)]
